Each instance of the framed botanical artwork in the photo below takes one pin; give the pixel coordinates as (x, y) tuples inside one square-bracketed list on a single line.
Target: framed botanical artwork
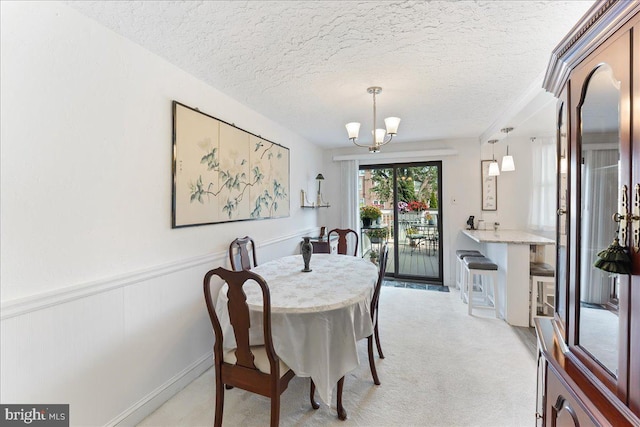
[(222, 173), (489, 187)]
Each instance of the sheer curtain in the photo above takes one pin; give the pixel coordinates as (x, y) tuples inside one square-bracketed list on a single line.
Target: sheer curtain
[(599, 199), (349, 215), (542, 214)]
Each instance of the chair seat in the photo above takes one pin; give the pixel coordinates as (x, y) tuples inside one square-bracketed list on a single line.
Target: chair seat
[(481, 268), (260, 360), (541, 269), (462, 253), (479, 263)]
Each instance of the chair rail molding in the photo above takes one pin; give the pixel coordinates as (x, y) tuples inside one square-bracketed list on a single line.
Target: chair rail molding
[(20, 306)]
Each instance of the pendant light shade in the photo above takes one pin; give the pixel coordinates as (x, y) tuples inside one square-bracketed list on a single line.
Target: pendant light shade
[(353, 129), (507, 161), (494, 169), (392, 123)]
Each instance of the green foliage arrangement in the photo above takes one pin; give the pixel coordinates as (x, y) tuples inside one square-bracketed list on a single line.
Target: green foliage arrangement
[(411, 231), (376, 233), (370, 212), (433, 201), (414, 183)]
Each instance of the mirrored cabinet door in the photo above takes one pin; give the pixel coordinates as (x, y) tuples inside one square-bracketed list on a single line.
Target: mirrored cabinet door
[(562, 226), (602, 126), (599, 196)]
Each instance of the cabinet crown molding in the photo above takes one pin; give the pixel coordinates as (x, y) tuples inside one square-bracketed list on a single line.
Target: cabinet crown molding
[(600, 21)]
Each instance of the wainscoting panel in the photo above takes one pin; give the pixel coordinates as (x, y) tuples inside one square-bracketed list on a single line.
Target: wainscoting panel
[(115, 350), (70, 353)]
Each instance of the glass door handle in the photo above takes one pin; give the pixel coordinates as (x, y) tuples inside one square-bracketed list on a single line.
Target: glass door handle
[(625, 218), (635, 219)]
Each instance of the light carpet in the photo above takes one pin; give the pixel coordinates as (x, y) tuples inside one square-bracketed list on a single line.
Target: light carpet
[(441, 368)]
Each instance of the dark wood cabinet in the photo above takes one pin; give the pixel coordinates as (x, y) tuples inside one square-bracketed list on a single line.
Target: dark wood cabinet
[(589, 352), (323, 246), (564, 409)]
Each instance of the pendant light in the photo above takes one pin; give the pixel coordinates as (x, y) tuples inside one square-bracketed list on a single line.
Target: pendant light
[(494, 169), (507, 161)]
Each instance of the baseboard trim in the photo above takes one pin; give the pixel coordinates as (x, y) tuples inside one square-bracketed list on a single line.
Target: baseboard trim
[(151, 402), (20, 306)]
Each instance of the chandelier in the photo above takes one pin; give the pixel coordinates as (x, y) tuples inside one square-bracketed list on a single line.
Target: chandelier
[(380, 137)]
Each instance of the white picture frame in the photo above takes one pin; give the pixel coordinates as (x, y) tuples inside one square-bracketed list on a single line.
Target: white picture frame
[(489, 187)]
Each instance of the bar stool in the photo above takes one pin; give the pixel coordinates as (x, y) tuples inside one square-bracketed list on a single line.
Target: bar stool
[(460, 254), (466, 278), (484, 268), (543, 283)]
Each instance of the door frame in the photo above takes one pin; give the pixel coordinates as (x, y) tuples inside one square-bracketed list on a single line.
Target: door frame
[(439, 280)]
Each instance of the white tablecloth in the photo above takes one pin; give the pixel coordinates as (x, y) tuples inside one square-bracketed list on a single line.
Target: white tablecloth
[(316, 317)]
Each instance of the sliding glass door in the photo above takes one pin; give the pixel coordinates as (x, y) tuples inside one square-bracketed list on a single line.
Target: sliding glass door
[(408, 196)]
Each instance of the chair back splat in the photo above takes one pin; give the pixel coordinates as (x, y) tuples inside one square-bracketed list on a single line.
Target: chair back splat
[(343, 233), (242, 245)]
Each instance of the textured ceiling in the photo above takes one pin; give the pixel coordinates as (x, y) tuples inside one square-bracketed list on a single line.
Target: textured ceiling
[(447, 68)]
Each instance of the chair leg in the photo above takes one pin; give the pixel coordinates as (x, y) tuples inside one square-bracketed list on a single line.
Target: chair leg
[(275, 410), (496, 298), (470, 277), (312, 395), (533, 311), (219, 400), (463, 283), (375, 331), (372, 363), (342, 414)]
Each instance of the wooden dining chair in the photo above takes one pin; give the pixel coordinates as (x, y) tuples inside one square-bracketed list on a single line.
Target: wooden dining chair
[(343, 234), (255, 368), (384, 253), (240, 248)]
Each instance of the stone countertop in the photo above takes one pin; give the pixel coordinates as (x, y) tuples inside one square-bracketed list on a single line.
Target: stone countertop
[(507, 236)]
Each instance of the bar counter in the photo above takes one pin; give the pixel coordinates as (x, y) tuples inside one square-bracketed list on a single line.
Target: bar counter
[(507, 236)]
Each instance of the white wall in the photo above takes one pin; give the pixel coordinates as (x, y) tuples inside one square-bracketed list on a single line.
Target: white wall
[(102, 304)]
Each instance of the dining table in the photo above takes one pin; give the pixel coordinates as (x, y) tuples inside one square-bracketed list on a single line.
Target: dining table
[(317, 317)]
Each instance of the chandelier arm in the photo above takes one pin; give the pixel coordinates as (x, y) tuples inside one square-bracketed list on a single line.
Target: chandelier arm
[(359, 145), (387, 141)]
